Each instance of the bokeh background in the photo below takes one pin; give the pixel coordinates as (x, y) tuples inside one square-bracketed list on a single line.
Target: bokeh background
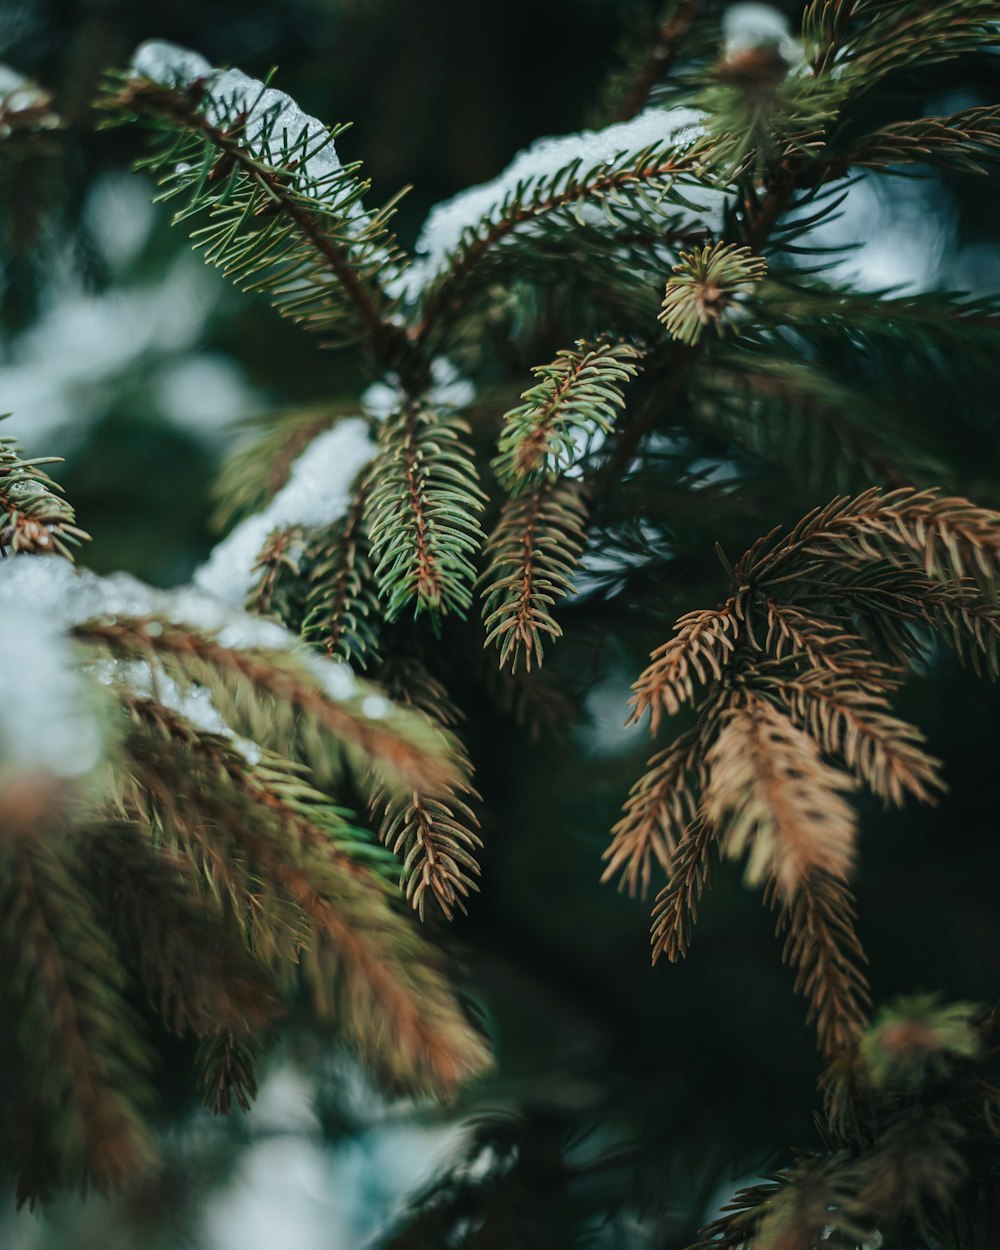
[(123, 353)]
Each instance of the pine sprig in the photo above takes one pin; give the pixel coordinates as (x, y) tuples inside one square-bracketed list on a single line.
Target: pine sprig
[(34, 518), (267, 201), (854, 724), (858, 44), (256, 469), (577, 395), (775, 801), (699, 651), (967, 141), (276, 589), (796, 666), (435, 838), (188, 955), (662, 808), (273, 696), (706, 287), (949, 538), (637, 196), (356, 952), (531, 558), (423, 513), (81, 1055), (689, 876), (342, 612), (822, 947)]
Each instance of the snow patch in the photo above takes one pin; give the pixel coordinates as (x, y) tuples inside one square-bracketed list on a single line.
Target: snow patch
[(316, 494), (447, 223), (273, 125), (47, 722)]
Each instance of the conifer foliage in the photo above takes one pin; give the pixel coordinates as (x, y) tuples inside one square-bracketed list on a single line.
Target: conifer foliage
[(203, 863)]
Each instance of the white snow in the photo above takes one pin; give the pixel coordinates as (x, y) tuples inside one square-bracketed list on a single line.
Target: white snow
[(47, 722), (44, 715), (749, 26), (18, 94), (316, 494), (447, 223), (273, 121)]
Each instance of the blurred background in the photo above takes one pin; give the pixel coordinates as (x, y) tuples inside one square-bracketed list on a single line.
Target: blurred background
[(122, 352)]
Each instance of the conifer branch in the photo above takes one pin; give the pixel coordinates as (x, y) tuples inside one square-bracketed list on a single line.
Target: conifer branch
[(281, 215), (436, 839), (276, 590), (193, 963), (705, 287), (966, 141), (794, 413), (702, 645), (823, 949), (422, 513), (859, 44), (949, 538), (576, 396), (676, 907), (254, 472), (660, 49), (357, 952), (269, 692), (775, 801), (227, 1073), (662, 807), (34, 518), (80, 1052), (342, 611), (854, 723), (643, 193), (531, 557)]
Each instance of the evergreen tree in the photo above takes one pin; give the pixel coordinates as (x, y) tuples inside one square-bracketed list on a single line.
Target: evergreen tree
[(593, 382)]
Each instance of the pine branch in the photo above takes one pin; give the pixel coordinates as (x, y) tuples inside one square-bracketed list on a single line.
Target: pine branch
[(659, 51), (662, 807), (642, 193), (193, 965), (34, 519), (364, 963), (706, 287), (775, 801), (276, 591), (531, 557), (822, 947), (81, 1056), (949, 538), (577, 395), (227, 1072), (966, 142), (854, 724), (702, 644), (676, 907), (859, 44), (271, 204), (794, 413), (423, 513), (436, 838), (824, 645), (342, 607), (276, 697)]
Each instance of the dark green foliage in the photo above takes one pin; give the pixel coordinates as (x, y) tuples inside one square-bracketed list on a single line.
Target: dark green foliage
[(804, 681), (422, 513)]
